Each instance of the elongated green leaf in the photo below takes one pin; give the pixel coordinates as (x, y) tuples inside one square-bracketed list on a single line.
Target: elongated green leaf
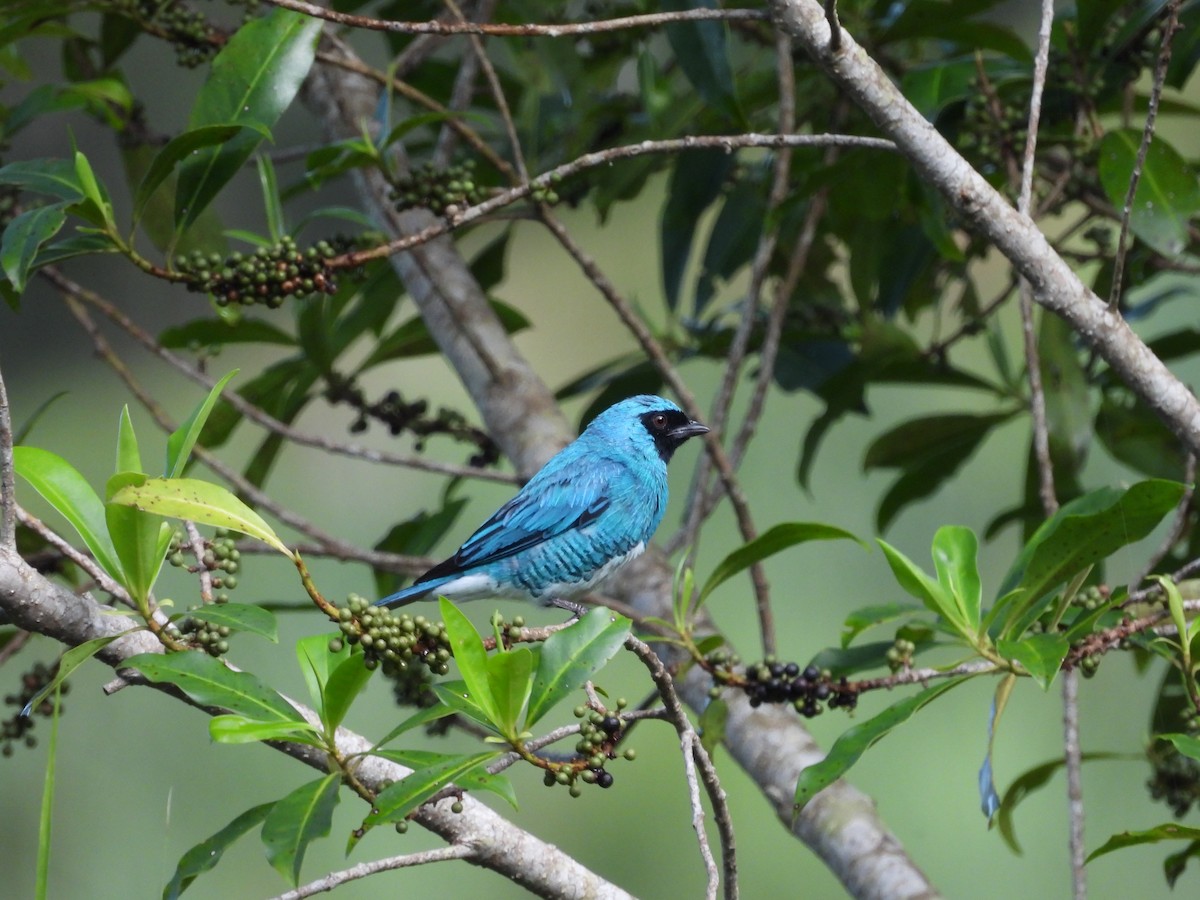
[(183, 438), (853, 743), (66, 490), (198, 501), (68, 663), (695, 185), (571, 656), (1083, 533), (476, 779), (989, 800), (23, 238), (140, 538), (344, 685), (217, 332), (1168, 194), (95, 206), (396, 802), (1169, 831), (205, 855), (297, 820), (253, 80), (46, 817), (235, 729), (73, 246), (240, 617), (770, 542), (703, 55), (129, 458), (210, 682), (509, 679), (175, 152), (916, 582), (455, 696), (1188, 745), (470, 657), (55, 177), (954, 556)]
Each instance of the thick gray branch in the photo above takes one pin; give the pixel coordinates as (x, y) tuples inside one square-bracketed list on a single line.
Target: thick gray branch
[(30, 601), (1055, 286)]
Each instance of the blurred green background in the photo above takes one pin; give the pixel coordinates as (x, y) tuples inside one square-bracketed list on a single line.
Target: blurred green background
[(139, 781)]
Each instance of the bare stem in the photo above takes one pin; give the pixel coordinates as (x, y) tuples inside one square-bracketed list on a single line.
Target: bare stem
[(1160, 76), (362, 870), (8, 487)]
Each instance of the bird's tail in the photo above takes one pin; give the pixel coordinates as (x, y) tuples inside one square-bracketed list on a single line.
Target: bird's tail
[(410, 594)]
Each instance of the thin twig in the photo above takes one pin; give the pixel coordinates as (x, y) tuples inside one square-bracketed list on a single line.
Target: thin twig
[(461, 93), (1160, 76), (362, 870), (196, 543), (257, 414), (566, 29), (89, 566), (690, 742), (548, 179), (14, 644), (1072, 754), (8, 485)]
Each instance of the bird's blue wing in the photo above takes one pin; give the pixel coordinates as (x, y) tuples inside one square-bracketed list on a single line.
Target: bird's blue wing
[(551, 504)]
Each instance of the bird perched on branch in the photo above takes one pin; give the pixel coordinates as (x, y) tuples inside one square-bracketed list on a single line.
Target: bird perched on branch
[(593, 507)]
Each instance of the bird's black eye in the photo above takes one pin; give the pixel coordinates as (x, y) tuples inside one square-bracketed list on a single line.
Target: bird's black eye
[(659, 421)]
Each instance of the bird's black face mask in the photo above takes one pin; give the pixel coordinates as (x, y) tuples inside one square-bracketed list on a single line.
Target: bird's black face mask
[(669, 428)]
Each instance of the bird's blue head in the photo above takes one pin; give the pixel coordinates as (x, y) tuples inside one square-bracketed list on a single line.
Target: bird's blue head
[(653, 423)]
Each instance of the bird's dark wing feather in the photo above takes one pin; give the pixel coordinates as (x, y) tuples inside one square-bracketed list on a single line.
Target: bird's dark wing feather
[(549, 507)]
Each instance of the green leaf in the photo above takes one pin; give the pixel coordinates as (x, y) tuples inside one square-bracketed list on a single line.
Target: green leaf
[(1168, 194), (317, 663), (869, 616), (417, 719), (234, 729), (458, 699), (345, 683), (297, 820), (199, 501), (770, 542), (46, 815), (210, 682), (24, 236), (712, 725), (140, 538), (475, 779), (218, 332), (68, 663), (915, 581), (695, 184), (252, 81), (508, 674), (73, 246), (571, 656), (1135, 436), (241, 617), (205, 855), (701, 50), (1084, 532), (66, 490), (955, 549), (1175, 864), (1187, 744), (276, 226), (1068, 396), (413, 338), (95, 206), (176, 151), (1040, 654), (853, 743), (394, 803), (1169, 831), (471, 658), (183, 438), (55, 177), (129, 458)]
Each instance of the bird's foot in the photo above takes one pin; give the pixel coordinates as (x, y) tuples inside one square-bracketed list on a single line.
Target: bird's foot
[(575, 609)]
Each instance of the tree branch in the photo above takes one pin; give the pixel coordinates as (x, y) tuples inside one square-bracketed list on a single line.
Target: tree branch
[(1055, 286), (8, 487)]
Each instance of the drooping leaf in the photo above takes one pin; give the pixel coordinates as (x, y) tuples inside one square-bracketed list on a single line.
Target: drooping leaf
[(252, 81), (205, 855), (1068, 396), (176, 151), (210, 682), (297, 820), (397, 801), (772, 541), (1040, 654), (695, 184), (71, 660), (1135, 436), (571, 656), (703, 55), (66, 490), (198, 501), (1025, 784), (1168, 831), (854, 742), (989, 800)]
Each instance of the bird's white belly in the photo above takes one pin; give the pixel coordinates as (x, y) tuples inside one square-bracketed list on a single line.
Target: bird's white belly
[(565, 589)]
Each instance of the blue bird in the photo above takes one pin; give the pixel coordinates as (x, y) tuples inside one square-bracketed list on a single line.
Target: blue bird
[(593, 507)]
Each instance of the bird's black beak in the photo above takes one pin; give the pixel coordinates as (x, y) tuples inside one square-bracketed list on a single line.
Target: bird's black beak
[(683, 432)]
